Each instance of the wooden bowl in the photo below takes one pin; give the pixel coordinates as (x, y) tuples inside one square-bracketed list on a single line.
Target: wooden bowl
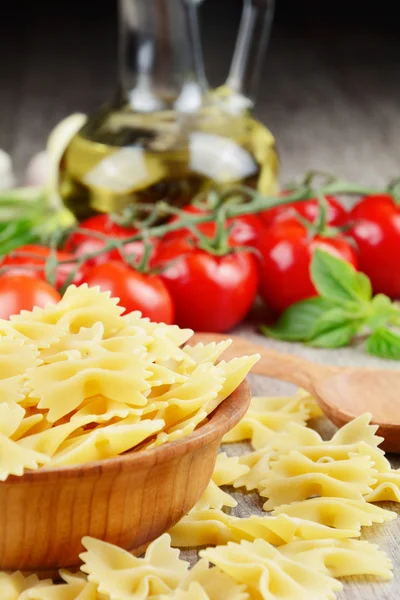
[(129, 500)]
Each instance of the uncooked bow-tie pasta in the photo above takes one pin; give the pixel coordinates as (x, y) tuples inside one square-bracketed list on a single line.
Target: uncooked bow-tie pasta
[(320, 490), (210, 526), (79, 382), (266, 416)]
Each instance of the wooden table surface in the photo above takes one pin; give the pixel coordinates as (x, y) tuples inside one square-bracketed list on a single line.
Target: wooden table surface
[(332, 98)]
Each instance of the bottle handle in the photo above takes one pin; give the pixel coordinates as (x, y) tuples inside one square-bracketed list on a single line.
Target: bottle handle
[(253, 36)]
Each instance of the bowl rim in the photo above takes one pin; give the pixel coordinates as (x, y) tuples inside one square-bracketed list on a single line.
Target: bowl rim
[(221, 420)]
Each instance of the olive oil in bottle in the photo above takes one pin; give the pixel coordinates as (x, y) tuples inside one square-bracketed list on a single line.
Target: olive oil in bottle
[(166, 137)]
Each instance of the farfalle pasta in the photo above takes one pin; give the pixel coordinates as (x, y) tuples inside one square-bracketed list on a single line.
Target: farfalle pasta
[(79, 382), (320, 491), (295, 477), (211, 526), (269, 574), (340, 558), (266, 416), (341, 513)]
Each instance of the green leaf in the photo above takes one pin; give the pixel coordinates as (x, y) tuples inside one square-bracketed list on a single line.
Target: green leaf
[(336, 328), (385, 344), (298, 322), (335, 338), (382, 312), (338, 281)]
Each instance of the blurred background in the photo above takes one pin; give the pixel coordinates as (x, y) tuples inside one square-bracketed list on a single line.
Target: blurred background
[(330, 89)]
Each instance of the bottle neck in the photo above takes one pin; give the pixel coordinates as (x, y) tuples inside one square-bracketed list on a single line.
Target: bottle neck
[(161, 66)]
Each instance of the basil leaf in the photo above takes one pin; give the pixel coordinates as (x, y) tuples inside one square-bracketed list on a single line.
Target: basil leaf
[(385, 344), (338, 281), (382, 312), (336, 328), (338, 336), (298, 322)]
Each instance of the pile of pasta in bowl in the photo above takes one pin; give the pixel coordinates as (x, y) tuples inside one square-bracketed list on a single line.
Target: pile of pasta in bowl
[(309, 499), (81, 382)]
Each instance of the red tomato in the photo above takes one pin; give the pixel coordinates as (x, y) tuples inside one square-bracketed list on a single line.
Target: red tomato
[(308, 209), (83, 243), (136, 291), (246, 231), (23, 292), (210, 293), (286, 254), (376, 230), (17, 264)]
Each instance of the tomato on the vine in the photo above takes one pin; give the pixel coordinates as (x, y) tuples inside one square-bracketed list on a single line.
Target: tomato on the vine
[(135, 290), (285, 259), (82, 243), (375, 228), (23, 292), (210, 293), (246, 230), (25, 260), (309, 210)]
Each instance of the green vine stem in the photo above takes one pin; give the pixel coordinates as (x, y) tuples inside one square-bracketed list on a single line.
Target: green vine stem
[(234, 202)]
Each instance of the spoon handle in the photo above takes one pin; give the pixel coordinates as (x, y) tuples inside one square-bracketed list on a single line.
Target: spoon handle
[(287, 367)]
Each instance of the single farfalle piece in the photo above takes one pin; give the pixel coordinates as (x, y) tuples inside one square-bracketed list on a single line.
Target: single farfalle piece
[(15, 358), (386, 487), (257, 463), (105, 441), (269, 574), (125, 577), (15, 586), (339, 513), (228, 469), (266, 417), (216, 584), (40, 335), (340, 558), (48, 441), (214, 497), (283, 529), (80, 307), (202, 527), (14, 458), (90, 342), (358, 430), (61, 387), (29, 422), (295, 477), (99, 409), (204, 353)]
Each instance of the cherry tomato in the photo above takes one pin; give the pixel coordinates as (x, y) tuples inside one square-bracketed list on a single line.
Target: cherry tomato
[(136, 291), (83, 243), (376, 230), (18, 264), (23, 292), (210, 293), (308, 209), (246, 231), (286, 254)]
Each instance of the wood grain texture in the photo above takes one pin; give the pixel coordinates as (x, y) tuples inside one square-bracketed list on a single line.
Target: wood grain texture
[(129, 500), (329, 94)]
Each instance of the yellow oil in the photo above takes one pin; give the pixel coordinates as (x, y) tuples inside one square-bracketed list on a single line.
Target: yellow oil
[(122, 157)]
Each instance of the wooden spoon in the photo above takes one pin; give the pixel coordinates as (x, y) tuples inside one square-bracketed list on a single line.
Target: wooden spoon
[(342, 392)]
